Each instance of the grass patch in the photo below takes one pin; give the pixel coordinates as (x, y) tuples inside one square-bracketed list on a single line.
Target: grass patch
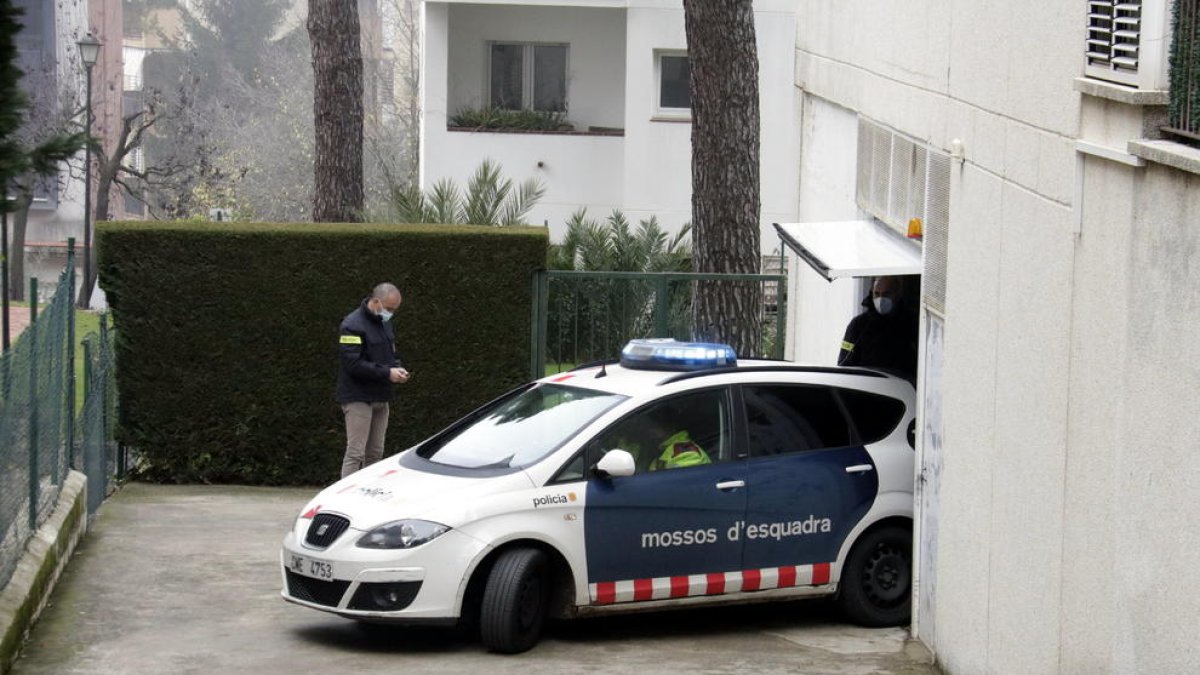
[(86, 323)]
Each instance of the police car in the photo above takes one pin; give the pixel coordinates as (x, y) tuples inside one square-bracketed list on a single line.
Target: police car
[(677, 476)]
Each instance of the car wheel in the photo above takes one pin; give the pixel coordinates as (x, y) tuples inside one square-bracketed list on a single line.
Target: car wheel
[(876, 586), (514, 601)]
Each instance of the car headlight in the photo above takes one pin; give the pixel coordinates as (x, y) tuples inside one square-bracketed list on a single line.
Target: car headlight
[(402, 534)]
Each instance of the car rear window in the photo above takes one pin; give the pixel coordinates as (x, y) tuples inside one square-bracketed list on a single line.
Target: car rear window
[(793, 418), (874, 415)]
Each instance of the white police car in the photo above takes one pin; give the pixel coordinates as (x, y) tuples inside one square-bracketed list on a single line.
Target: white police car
[(679, 476)]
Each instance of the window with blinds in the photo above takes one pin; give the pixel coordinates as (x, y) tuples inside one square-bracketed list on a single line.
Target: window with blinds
[(1113, 39)]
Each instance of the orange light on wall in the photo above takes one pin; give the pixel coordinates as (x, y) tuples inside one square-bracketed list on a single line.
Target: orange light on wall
[(914, 228)]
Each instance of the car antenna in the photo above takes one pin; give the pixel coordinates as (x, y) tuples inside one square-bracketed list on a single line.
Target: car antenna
[(602, 373)]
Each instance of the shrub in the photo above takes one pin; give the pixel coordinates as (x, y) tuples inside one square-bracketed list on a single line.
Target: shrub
[(227, 336), (523, 120), (488, 199)]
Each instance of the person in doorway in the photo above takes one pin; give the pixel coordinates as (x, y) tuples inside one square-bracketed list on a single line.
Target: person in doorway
[(884, 335), (369, 369)]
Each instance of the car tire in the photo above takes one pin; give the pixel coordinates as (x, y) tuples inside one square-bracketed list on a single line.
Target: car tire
[(514, 601), (876, 585)]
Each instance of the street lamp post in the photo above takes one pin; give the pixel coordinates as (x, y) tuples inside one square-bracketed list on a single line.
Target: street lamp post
[(89, 51)]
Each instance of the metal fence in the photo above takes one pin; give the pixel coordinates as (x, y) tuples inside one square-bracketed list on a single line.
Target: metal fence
[(1183, 112), (41, 436), (585, 316), (96, 453)]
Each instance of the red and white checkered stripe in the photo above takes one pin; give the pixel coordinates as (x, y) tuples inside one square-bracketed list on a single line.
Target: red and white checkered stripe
[(716, 583)]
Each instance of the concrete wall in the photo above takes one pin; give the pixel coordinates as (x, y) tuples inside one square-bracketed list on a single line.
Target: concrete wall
[(1067, 484)]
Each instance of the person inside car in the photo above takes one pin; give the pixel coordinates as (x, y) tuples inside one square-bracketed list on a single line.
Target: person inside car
[(655, 445)]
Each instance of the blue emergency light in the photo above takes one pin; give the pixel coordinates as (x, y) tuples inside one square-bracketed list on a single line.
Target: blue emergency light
[(669, 354)]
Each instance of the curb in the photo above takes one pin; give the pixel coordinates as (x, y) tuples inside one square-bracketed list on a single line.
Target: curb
[(46, 554)]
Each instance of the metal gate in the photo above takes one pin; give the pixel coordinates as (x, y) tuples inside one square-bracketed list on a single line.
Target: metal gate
[(579, 317)]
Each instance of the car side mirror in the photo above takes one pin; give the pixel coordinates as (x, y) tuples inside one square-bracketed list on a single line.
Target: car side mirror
[(616, 462)]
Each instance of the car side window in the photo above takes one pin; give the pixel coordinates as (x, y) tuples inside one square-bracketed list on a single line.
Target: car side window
[(874, 415), (792, 418), (675, 433)]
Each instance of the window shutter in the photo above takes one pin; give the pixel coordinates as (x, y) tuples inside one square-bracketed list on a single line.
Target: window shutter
[(1114, 39), (891, 175)]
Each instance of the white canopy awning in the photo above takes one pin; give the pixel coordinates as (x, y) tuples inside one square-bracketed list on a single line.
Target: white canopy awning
[(852, 248)]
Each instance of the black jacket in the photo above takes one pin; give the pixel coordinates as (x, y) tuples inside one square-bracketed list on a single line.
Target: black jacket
[(367, 351), (884, 341)]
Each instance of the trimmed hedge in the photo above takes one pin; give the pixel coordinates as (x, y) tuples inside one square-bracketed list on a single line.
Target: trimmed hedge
[(226, 336)]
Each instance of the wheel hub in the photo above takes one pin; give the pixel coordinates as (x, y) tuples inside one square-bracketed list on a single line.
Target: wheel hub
[(885, 576)]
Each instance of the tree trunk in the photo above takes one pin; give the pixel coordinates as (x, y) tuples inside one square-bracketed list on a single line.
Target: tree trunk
[(106, 172), (725, 179), (333, 30), (16, 250)]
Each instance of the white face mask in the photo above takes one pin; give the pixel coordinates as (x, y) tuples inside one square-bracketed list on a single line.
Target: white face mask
[(884, 305), (383, 313)]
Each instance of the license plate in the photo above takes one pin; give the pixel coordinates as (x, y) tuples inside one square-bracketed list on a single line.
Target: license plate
[(317, 569)]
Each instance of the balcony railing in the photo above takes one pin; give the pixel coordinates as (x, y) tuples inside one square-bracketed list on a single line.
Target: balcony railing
[(1183, 114)]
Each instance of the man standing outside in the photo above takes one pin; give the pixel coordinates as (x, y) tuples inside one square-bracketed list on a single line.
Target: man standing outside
[(884, 336), (369, 369)]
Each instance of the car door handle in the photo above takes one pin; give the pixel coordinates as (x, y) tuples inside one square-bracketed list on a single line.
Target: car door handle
[(859, 468), (731, 484)]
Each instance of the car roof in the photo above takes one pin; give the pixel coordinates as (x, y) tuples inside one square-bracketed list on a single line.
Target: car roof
[(611, 377)]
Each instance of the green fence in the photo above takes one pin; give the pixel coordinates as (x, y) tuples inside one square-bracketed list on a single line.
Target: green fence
[(586, 316), (41, 436)]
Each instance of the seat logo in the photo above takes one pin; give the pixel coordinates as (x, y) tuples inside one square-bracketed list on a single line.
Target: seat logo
[(322, 529)]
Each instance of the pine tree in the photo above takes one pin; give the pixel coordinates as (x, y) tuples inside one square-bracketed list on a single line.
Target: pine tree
[(725, 181), (334, 32)]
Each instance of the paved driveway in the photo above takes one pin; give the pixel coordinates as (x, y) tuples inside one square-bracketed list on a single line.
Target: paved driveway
[(178, 579)]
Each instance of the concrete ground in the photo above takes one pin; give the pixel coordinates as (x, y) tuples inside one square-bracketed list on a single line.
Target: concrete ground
[(175, 579)]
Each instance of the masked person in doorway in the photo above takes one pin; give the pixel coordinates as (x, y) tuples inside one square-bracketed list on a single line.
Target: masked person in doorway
[(369, 369), (884, 336)]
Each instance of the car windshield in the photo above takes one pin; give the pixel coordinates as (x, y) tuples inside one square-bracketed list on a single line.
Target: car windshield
[(522, 429)]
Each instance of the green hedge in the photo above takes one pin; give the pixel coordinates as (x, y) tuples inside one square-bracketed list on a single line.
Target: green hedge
[(227, 336)]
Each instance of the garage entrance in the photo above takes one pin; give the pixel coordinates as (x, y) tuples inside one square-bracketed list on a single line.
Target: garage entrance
[(858, 251)]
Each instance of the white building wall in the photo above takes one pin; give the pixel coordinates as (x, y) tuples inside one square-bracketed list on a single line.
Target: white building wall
[(576, 170), (658, 177), (818, 310), (1157, 469), (596, 38), (613, 84), (1067, 510)]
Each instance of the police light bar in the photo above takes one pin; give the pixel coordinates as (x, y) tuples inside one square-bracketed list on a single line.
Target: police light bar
[(668, 354)]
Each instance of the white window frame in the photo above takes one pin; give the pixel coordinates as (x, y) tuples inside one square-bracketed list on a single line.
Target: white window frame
[(661, 112), (1150, 70), (527, 71)]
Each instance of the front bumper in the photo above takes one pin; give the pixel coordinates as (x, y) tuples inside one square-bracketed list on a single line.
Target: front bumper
[(420, 585)]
